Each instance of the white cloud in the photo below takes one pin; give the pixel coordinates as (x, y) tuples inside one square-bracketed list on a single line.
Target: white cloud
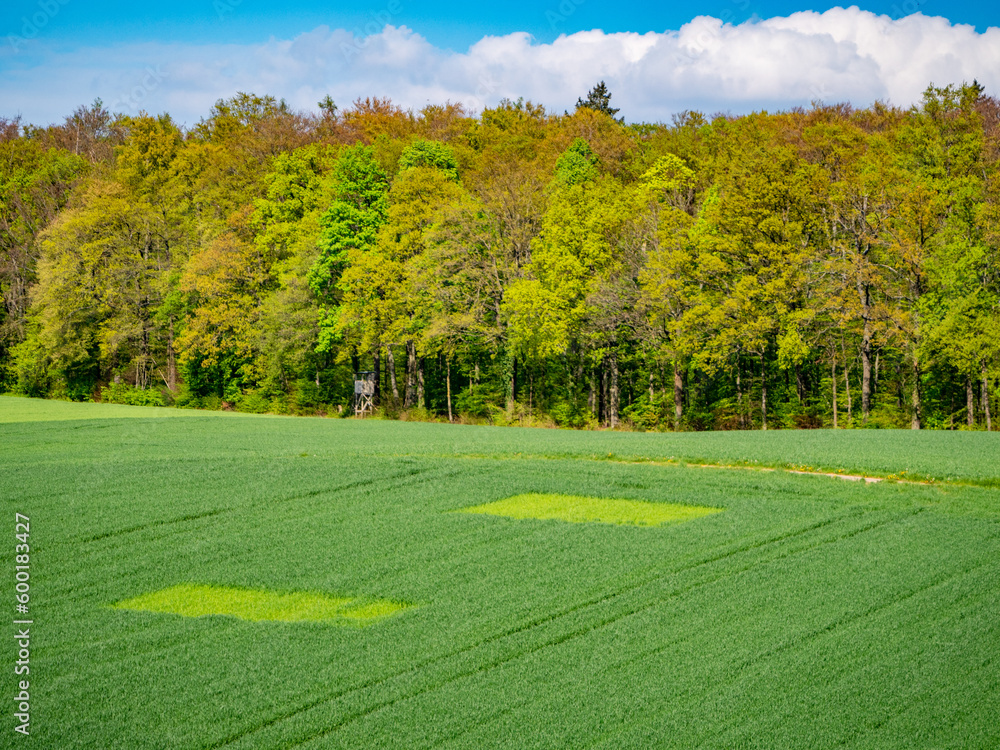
[(844, 54)]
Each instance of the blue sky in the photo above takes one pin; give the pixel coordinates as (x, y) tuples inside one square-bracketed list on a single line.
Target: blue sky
[(658, 59), (454, 25)]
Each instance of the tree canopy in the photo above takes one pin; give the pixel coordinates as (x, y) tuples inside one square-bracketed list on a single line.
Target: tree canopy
[(823, 267)]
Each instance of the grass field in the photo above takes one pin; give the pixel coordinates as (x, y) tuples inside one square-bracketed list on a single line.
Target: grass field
[(229, 581)]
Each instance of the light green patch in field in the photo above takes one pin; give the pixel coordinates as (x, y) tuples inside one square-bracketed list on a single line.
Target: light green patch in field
[(199, 600), (577, 509)]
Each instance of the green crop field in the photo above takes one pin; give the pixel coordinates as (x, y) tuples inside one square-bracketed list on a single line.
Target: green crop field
[(228, 581)]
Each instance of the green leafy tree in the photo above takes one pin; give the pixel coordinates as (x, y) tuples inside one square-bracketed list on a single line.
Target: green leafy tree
[(579, 252), (35, 185), (756, 242), (668, 280), (348, 230)]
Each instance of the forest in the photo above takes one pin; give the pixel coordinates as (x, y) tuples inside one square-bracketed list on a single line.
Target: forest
[(822, 267)]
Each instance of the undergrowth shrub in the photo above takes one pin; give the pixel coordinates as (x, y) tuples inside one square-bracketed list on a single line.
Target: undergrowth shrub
[(477, 401), (305, 396), (253, 402), (886, 417), (417, 414), (123, 393), (800, 416), (572, 414), (656, 413)]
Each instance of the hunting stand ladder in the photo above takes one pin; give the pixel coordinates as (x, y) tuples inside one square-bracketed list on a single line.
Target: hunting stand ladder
[(364, 393)]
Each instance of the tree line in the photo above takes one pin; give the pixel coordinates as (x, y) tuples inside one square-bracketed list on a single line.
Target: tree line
[(828, 266)]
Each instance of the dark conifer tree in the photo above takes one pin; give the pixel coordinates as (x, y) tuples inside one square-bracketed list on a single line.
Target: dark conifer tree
[(599, 98)]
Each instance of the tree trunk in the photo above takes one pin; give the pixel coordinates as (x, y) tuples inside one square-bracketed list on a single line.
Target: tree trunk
[(986, 400), (531, 393), (391, 362), (448, 382), (970, 403), (592, 398), (800, 386), (651, 394), (864, 291), (678, 397), (739, 397), (171, 358), (410, 398), (915, 423), (763, 393), (420, 384), (145, 362), (602, 392), (847, 390), (510, 370), (875, 369), (579, 379), (376, 367), (614, 394), (833, 380), (513, 380)]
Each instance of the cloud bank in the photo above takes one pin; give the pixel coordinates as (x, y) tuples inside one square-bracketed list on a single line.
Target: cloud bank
[(844, 54)]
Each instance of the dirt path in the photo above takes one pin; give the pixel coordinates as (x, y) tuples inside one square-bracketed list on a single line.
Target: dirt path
[(848, 477)]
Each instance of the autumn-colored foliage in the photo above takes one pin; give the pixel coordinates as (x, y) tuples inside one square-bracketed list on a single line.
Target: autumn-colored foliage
[(830, 266)]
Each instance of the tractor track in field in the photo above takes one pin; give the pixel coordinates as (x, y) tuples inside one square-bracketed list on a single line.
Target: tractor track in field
[(409, 474), (852, 740), (846, 620), (850, 619), (681, 463), (152, 525), (589, 628), (469, 728), (574, 633), (493, 638)]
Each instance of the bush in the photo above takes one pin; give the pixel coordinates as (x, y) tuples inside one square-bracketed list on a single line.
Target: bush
[(306, 395), (799, 416), (571, 414), (417, 414), (887, 417), (211, 403), (123, 393), (651, 414), (477, 401), (184, 399), (253, 402), (337, 411)]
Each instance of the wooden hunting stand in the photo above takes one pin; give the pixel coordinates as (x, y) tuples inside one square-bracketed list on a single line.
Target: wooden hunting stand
[(364, 393)]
